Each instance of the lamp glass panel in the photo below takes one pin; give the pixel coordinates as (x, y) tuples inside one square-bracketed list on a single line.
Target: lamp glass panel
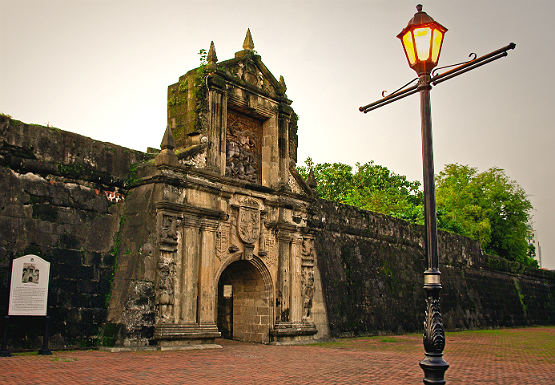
[(436, 45), (422, 40), (409, 47)]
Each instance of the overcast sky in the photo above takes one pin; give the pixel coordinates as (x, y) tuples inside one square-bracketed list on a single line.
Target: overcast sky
[(101, 69)]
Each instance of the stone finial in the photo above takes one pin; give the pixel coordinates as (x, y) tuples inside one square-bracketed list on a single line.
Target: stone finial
[(211, 57), (311, 180), (248, 44), (168, 142), (167, 157), (282, 83)]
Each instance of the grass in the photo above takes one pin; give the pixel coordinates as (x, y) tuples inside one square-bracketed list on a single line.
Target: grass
[(523, 344), (63, 359)]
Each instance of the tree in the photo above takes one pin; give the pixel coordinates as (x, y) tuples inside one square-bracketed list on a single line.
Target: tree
[(458, 203), (486, 206), (371, 187)]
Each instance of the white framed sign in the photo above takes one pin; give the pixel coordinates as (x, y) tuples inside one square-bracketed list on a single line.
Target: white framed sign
[(228, 291), (29, 286)]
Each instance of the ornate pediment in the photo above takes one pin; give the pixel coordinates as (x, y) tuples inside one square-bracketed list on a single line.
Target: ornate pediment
[(247, 69), (250, 72)]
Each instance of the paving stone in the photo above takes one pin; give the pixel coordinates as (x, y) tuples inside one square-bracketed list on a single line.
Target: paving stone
[(508, 356)]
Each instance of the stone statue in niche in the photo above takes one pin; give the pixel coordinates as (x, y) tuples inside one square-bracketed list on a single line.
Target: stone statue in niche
[(168, 232), (242, 148), (164, 289), (307, 284), (307, 250)]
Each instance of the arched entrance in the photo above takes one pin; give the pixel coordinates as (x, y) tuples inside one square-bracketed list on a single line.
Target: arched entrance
[(244, 302)]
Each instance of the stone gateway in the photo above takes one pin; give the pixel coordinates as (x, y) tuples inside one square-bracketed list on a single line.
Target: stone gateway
[(223, 213)]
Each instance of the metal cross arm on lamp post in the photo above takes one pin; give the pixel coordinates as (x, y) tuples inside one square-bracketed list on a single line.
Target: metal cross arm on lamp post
[(422, 41), (440, 78)]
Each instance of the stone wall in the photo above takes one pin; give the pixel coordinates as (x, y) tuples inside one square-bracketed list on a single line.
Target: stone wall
[(66, 198), (61, 199), (372, 265)]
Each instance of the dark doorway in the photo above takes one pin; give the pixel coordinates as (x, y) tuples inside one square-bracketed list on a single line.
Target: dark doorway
[(243, 303)]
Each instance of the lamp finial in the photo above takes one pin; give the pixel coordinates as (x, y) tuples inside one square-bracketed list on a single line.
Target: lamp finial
[(419, 7)]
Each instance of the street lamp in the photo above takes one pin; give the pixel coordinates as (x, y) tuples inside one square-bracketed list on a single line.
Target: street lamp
[(422, 40)]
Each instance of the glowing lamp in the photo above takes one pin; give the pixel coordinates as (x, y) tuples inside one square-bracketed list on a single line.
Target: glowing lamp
[(422, 39)]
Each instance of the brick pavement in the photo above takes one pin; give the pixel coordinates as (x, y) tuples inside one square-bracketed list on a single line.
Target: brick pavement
[(508, 356)]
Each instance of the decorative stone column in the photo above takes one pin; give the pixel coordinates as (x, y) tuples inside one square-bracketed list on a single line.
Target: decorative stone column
[(296, 291), (217, 117), (168, 224), (207, 290), (307, 278), (284, 277), (189, 277)]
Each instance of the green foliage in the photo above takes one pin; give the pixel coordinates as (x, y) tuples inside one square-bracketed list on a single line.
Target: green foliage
[(132, 176), (371, 187), (183, 86), (201, 89), (109, 334), (458, 203), (486, 206), (203, 58)]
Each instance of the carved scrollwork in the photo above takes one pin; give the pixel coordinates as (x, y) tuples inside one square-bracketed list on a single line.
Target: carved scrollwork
[(434, 334), (307, 277), (164, 287), (271, 247), (250, 202), (307, 251)]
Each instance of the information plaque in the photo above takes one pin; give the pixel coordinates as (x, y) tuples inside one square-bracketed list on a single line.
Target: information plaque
[(29, 286)]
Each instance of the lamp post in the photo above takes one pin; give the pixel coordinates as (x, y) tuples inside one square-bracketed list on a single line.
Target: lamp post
[(422, 40)]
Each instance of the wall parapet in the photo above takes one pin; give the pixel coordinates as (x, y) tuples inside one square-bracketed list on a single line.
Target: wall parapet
[(372, 267)]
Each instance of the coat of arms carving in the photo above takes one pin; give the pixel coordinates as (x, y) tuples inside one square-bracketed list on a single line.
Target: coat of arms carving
[(248, 224)]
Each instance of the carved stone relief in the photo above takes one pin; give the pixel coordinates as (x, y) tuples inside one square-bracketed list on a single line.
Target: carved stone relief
[(307, 283), (299, 218), (249, 73), (271, 257), (173, 194), (198, 160), (248, 226), (168, 226), (168, 232), (164, 288), (222, 240), (307, 276), (243, 147)]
